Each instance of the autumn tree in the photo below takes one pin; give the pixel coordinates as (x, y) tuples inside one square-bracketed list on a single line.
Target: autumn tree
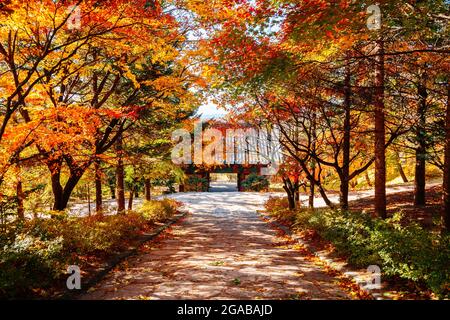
[(94, 82), (355, 53)]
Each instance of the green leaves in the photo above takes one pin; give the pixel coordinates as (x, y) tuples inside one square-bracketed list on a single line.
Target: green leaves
[(406, 251)]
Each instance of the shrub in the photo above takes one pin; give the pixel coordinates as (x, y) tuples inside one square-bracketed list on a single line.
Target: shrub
[(97, 235), (406, 251), (197, 184), (88, 235), (414, 254), (349, 233), (255, 183), (278, 207), (159, 210), (29, 262), (8, 212), (43, 247)]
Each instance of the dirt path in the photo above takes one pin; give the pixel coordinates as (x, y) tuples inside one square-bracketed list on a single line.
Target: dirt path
[(221, 251)]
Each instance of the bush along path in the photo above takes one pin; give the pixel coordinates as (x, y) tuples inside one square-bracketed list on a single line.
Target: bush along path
[(35, 261), (223, 250), (354, 280), (412, 260), (98, 274)]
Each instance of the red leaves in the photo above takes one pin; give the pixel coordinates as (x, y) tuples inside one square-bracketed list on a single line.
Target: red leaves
[(113, 113), (329, 34)]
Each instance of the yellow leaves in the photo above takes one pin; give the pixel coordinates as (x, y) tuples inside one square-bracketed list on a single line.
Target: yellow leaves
[(82, 69), (161, 51), (321, 52), (167, 84), (199, 7), (128, 74), (66, 128), (208, 71)]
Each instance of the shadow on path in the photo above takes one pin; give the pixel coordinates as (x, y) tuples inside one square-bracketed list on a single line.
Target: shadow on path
[(221, 251)]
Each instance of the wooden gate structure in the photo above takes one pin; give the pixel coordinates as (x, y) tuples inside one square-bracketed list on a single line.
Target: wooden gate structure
[(243, 151)]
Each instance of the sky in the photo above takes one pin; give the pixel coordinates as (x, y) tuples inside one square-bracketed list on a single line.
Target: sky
[(210, 110)]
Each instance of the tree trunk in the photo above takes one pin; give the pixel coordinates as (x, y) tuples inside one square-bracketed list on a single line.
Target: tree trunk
[(419, 179), (312, 182), (88, 191), (62, 196), (291, 200), (296, 191), (446, 183), (400, 167), (366, 176), (98, 188), (58, 204), (343, 195), (318, 183), (239, 182), (380, 133), (148, 192), (311, 194), (57, 189), (421, 150), (20, 198), (120, 177), (290, 191), (325, 197), (112, 189), (130, 199)]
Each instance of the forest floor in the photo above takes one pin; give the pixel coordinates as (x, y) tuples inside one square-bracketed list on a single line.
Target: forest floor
[(223, 250), (403, 200)]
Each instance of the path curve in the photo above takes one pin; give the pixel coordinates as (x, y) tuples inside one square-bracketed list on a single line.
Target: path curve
[(220, 251)]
